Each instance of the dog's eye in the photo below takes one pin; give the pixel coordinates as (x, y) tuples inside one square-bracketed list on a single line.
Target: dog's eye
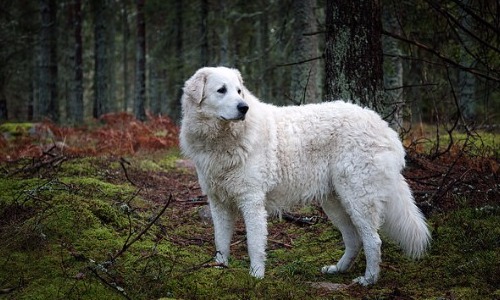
[(222, 90), (239, 91)]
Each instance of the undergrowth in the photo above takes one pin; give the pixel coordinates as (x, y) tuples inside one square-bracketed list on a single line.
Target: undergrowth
[(104, 215), (61, 230)]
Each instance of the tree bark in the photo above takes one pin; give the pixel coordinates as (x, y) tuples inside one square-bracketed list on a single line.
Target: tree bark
[(223, 33), (265, 89), (101, 59), (175, 103), (75, 105), (466, 80), (126, 38), (140, 71), (393, 68), (353, 66), (305, 69), (204, 55), (47, 105)]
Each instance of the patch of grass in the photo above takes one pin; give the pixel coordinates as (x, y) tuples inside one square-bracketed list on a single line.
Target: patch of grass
[(16, 129), (59, 234), (479, 143)]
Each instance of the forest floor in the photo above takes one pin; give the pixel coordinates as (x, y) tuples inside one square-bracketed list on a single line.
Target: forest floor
[(112, 211)]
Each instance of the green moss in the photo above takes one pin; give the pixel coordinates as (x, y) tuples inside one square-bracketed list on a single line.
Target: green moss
[(55, 230), (162, 161), (16, 129), (81, 167), (149, 165), (169, 162), (92, 183), (480, 143)]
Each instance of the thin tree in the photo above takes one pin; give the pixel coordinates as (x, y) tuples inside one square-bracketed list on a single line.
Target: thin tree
[(223, 32), (47, 102), (140, 62), (393, 66), (75, 100), (466, 80), (353, 66), (174, 109), (305, 68), (126, 38), (204, 55), (101, 59)]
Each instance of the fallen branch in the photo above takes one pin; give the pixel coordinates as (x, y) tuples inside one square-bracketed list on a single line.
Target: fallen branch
[(280, 243), (129, 242), (36, 165), (209, 263), (300, 220), (102, 267), (113, 286), (123, 161)]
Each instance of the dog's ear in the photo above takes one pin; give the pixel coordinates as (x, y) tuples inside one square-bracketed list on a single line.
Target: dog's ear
[(238, 74), (195, 86), (240, 78)]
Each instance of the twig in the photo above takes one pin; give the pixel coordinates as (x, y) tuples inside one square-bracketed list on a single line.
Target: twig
[(35, 166), (238, 242), (441, 56), (301, 61), (128, 243), (111, 285), (281, 243), (301, 221), (207, 264), (123, 161)]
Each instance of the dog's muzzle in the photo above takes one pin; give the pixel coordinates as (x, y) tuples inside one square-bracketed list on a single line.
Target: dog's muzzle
[(242, 108)]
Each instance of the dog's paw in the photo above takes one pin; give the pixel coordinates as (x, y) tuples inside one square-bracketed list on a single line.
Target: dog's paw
[(364, 281), (257, 272), (332, 269)]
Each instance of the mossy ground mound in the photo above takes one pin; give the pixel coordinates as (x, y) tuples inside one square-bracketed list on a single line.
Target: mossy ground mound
[(63, 229)]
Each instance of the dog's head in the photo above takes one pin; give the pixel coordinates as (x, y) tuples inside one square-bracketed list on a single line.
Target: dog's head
[(216, 93)]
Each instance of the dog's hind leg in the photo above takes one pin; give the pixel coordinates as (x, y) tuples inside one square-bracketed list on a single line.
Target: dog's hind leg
[(337, 214), (223, 218), (364, 213), (372, 247)]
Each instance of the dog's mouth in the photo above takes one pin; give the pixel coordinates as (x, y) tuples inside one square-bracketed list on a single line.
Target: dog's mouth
[(239, 118)]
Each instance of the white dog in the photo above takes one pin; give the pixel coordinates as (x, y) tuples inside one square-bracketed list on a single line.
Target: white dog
[(257, 158)]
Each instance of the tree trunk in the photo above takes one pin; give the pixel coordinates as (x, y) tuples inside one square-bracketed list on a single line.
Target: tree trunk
[(47, 102), (154, 85), (126, 38), (110, 50), (140, 70), (353, 66), (265, 64), (223, 34), (204, 55), (175, 103), (75, 105), (3, 100), (101, 79), (466, 81), (305, 71), (393, 69)]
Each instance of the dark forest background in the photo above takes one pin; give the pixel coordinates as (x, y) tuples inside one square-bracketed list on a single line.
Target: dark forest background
[(413, 61)]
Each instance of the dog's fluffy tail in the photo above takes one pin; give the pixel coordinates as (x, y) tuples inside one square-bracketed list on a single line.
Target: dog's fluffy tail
[(405, 223)]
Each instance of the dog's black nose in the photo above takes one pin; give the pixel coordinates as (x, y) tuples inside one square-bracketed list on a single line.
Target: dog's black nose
[(242, 107)]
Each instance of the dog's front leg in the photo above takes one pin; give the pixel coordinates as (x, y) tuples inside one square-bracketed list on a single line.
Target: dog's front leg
[(255, 217), (223, 219)]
